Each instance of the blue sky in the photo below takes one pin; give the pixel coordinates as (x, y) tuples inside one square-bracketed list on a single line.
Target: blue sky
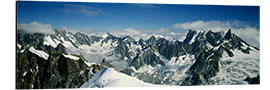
[(117, 16)]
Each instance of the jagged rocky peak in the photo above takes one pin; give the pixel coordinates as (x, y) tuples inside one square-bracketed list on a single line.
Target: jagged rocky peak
[(214, 38), (60, 32), (82, 38), (152, 39), (190, 36), (129, 39), (123, 50), (85, 39), (237, 42), (149, 57), (211, 37), (207, 62), (200, 36), (228, 35), (80, 34), (156, 41), (142, 43), (109, 36)]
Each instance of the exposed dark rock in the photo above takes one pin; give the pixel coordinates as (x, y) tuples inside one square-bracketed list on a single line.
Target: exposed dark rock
[(56, 72), (147, 58), (254, 80), (189, 36)]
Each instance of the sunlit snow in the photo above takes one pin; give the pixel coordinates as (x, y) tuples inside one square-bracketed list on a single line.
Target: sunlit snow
[(39, 53), (108, 77), (237, 68), (71, 57)]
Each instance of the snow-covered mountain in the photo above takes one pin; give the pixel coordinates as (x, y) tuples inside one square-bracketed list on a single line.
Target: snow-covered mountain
[(202, 58), (108, 77)]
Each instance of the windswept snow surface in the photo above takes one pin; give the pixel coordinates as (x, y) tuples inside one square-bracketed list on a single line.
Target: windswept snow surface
[(67, 44), (39, 53), (49, 41), (71, 57), (108, 77)]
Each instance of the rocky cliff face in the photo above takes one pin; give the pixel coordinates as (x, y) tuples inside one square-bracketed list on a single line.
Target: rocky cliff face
[(57, 71), (147, 58)]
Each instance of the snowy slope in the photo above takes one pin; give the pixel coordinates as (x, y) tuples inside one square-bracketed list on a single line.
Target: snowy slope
[(71, 57), (39, 53), (237, 68), (108, 77), (49, 41)]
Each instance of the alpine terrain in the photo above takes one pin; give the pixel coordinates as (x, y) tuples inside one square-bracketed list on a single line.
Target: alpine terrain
[(79, 60)]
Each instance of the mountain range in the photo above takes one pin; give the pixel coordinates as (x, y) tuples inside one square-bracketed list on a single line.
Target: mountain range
[(73, 60)]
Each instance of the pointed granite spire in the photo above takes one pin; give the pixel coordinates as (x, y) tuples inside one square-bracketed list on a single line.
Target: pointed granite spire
[(189, 36), (228, 35)]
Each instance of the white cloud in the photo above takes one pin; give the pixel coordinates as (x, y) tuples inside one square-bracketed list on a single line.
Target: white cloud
[(241, 29), (251, 35), (131, 31), (81, 9), (136, 34), (161, 30), (147, 33), (202, 25), (35, 27)]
